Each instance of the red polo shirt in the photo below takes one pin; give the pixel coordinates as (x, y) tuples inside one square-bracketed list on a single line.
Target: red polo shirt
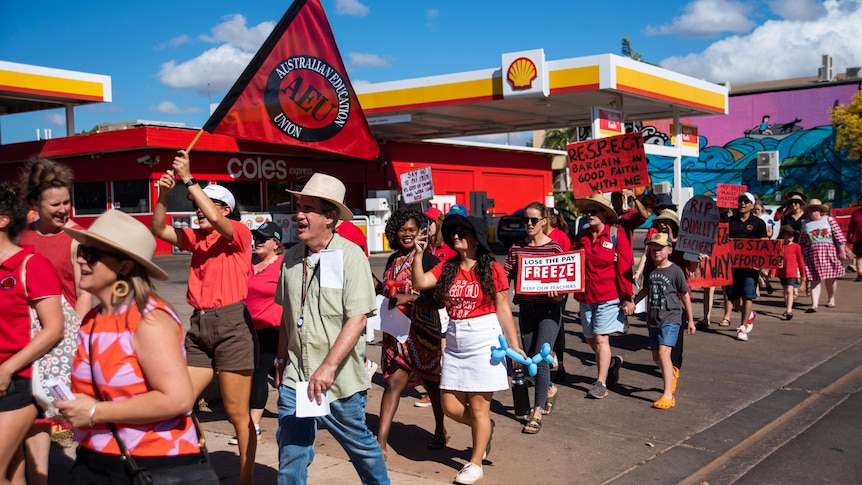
[(605, 280)]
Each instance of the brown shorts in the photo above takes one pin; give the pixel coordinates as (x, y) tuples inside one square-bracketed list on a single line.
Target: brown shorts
[(222, 338)]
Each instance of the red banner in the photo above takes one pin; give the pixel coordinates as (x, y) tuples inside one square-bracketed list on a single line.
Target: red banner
[(757, 253), (715, 270), (296, 92), (727, 195), (607, 164)]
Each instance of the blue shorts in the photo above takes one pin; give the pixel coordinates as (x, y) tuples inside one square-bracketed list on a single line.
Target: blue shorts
[(666, 335), (744, 284), (794, 282), (602, 318)]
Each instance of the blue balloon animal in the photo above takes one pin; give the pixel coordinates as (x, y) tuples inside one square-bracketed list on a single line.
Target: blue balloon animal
[(498, 353)]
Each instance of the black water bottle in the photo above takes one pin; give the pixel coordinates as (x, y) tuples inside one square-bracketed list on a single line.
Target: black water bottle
[(520, 394)]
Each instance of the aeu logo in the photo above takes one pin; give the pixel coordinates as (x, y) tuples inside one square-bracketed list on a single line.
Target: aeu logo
[(307, 99)]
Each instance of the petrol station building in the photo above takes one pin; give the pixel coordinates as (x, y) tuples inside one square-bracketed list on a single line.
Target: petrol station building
[(412, 120)]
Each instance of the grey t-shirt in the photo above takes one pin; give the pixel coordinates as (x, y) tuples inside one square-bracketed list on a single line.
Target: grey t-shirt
[(663, 301)]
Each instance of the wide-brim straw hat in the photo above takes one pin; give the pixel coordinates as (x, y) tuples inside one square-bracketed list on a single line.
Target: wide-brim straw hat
[(476, 224), (794, 198), (120, 232), (667, 215), (328, 188), (601, 201), (788, 229), (817, 204)]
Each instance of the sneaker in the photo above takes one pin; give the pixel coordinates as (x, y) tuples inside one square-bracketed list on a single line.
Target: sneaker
[(424, 402), (750, 324), (235, 442), (370, 368), (471, 473), (741, 334), (614, 370), (598, 391)]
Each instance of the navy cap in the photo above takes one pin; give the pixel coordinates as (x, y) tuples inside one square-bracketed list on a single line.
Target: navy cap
[(269, 230)]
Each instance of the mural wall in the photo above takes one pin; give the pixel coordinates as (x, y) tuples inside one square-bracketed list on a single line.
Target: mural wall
[(793, 122)]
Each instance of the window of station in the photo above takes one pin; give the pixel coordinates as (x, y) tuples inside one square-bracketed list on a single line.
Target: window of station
[(278, 199), (247, 195), (132, 196), (178, 200), (90, 198)]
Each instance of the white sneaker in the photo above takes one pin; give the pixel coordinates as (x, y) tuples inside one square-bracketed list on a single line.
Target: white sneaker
[(471, 473), (750, 324), (741, 334), (370, 368)]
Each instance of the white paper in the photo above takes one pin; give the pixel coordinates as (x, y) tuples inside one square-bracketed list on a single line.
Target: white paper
[(331, 269), (373, 322), (392, 321), (444, 319), (306, 408)]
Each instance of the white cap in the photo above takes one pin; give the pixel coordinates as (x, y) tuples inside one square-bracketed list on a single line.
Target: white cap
[(219, 192), (747, 195)]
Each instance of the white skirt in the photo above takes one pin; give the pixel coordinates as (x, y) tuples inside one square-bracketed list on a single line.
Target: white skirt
[(467, 362)]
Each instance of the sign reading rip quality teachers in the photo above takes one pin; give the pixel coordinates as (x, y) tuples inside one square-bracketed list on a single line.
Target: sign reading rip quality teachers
[(563, 273)]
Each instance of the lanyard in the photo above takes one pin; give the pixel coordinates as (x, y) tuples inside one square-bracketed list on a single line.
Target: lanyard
[(305, 287)]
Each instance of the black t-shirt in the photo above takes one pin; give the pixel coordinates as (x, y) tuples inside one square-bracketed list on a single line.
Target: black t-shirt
[(752, 228)]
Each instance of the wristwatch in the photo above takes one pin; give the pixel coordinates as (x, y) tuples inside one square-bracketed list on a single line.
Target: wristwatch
[(630, 298), (191, 182), (279, 361)]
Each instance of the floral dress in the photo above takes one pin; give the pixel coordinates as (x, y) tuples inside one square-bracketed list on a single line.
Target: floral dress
[(818, 240)]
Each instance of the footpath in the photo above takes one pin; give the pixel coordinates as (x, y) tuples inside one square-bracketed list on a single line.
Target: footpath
[(779, 408)]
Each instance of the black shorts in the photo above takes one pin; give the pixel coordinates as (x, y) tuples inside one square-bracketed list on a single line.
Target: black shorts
[(19, 395)]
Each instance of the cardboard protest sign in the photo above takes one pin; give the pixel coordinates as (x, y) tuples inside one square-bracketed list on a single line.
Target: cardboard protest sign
[(417, 185), (715, 270), (726, 194), (607, 164), (757, 253), (563, 273), (698, 227)]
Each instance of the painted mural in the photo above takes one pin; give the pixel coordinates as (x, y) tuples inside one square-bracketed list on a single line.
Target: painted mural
[(795, 123)]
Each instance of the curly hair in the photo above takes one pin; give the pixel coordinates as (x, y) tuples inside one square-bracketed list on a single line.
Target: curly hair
[(12, 206), (43, 174), (397, 220), (484, 273)]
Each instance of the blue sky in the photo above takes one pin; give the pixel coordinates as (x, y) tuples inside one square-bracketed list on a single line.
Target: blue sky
[(169, 59)]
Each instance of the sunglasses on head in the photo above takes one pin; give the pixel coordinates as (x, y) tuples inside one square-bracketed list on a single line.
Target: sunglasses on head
[(91, 254), (532, 220), (462, 232), (215, 201)]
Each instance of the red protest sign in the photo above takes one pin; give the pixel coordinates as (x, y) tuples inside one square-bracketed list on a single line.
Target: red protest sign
[(726, 194), (715, 270), (563, 273), (607, 164), (757, 253)]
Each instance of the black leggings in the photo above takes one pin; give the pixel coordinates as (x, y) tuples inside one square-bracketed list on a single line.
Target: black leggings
[(540, 324), (268, 341)]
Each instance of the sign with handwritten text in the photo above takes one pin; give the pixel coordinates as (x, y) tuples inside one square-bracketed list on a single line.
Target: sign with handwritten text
[(607, 164), (417, 185)]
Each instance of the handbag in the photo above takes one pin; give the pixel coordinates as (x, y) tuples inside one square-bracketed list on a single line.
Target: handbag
[(57, 362), (195, 473)]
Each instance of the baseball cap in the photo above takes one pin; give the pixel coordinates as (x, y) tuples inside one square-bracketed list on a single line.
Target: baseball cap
[(433, 213), (457, 209), (746, 195), (269, 230), (660, 239), (220, 193)]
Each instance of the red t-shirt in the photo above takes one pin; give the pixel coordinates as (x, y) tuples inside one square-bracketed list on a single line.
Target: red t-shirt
[(605, 280), (219, 269), (465, 298), (794, 265), (265, 312), (561, 237), (43, 281), (443, 253), (58, 249), (349, 231)]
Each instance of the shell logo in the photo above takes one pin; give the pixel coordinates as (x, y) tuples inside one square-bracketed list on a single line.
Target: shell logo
[(521, 73)]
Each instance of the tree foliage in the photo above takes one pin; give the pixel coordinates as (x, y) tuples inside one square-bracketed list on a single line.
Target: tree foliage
[(627, 51), (848, 127), (558, 139)]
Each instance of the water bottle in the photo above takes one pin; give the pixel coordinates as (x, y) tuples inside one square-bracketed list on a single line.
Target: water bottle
[(520, 394)]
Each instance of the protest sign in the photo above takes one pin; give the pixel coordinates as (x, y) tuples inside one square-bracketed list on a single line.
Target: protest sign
[(607, 164), (726, 194), (715, 270), (563, 273), (698, 227), (757, 253), (417, 185)]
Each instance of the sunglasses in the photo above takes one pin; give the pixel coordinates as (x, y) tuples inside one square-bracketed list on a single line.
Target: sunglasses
[(259, 239), (462, 232), (532, 220), (592, 212), (216, 202), (92, 254)]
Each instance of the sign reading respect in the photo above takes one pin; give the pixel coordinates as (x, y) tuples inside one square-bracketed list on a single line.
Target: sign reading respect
[(607, 164), (563, 273)]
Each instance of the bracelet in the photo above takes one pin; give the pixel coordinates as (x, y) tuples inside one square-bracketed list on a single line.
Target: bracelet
[(280, 362), (93, 412)]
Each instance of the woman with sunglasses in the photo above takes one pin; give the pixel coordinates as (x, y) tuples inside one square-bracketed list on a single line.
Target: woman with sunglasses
[(475, 290), (130, 368), (540, 315), (17, 350), (221, 336)]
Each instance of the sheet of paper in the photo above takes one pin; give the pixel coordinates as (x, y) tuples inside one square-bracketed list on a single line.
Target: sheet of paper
[(306, 408), (331, 269), (392, 321), (373, 323)]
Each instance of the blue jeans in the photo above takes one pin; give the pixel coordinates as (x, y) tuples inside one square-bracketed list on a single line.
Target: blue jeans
[(346, 423)]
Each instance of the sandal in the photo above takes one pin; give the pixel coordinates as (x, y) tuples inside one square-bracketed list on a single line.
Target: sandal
[(664, 403), (724, 322), (788, 316), (438, 442), (533, 426), (550, 402)]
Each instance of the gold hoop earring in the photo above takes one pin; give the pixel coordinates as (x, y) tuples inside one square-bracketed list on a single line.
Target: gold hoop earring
[(120, 289)]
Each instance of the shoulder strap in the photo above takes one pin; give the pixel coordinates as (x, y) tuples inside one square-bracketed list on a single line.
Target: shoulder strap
[(614, 229)]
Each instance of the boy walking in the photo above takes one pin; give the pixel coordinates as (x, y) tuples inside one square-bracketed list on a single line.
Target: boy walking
[(667, 294)]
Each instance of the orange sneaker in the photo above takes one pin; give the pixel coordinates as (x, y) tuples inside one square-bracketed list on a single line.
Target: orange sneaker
[(664, 403)]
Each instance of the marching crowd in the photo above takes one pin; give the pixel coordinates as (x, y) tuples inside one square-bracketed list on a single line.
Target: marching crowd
[(300, 315)]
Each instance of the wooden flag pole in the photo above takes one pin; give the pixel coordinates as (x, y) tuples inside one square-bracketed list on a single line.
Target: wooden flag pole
[(195, 140)]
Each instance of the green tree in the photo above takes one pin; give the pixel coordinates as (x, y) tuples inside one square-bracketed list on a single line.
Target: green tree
[(848, 127), (627, 51), (558, 139)]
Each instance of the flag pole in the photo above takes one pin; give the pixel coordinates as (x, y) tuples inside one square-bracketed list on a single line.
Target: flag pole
[(195, 140)]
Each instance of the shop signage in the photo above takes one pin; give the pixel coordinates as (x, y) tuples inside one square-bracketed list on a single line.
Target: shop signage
[(607, 122), (607, 164), (525, 74)]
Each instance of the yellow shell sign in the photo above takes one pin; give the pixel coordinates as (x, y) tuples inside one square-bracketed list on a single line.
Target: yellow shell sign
[(521, 73)]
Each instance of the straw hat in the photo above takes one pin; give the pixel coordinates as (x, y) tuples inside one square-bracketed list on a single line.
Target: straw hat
[(787, 229), (667, 215), (817, 204), (600, 201), (794, 198), (123, 234), (328, 188)]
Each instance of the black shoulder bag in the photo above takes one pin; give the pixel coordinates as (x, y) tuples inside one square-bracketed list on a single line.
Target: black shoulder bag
[(197, 473)]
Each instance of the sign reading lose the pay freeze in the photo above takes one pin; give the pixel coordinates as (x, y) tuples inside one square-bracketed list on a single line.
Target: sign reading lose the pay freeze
[(563, 273), (417, 185)]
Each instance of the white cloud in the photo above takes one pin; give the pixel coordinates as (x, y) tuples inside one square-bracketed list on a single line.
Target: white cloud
[(797, 9), (170, 108), (706, 18), (351, 7), (781, 49), (235, 32), (216, 68), (430, 15), (180, 40), (362, 59), (55, 119)]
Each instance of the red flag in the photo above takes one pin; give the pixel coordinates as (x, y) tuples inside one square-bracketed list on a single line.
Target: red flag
[(296, 92)]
